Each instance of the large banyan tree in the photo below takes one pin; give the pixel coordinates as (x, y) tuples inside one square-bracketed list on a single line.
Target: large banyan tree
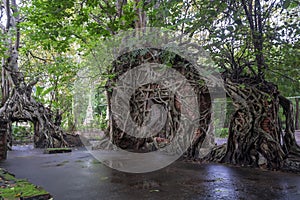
[(256, 135), (17, 102), (150, 94)]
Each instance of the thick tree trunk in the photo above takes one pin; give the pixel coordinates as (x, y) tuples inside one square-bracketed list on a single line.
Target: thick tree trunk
[(255, 134), (140, 104), (5, 85), (254, 130), (289, 140)]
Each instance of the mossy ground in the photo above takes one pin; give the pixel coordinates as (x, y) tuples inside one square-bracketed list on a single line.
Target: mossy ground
[(12, 188)]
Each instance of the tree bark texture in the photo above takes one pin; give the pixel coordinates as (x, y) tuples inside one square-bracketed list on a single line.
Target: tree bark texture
[(255, 134), (149, 94)]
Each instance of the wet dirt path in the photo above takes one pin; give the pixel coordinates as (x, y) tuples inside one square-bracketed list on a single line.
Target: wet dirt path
[(78, 175)]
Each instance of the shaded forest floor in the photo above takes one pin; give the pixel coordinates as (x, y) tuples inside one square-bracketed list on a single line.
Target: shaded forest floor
[(78, 175)]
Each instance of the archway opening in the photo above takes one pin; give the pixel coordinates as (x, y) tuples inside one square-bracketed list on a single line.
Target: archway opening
[(22, 135)]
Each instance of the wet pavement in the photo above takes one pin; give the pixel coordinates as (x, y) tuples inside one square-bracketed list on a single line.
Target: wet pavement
[(78, 175)]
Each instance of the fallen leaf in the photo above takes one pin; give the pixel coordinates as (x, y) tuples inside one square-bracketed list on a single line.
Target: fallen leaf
[(104, 178), (154, 191)]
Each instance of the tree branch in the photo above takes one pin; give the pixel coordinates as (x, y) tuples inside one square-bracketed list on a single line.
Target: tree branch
[(268, 11), (39, 58), (8, 15), (16, 14)]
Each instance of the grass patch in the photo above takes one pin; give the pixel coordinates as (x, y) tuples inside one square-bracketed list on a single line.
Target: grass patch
[(13, 188)]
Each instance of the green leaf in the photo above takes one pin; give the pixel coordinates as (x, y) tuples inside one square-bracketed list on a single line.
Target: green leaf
[(39, 90), (230, 28), (154, 191), (47, 91), (104, 178), (286, 4)]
